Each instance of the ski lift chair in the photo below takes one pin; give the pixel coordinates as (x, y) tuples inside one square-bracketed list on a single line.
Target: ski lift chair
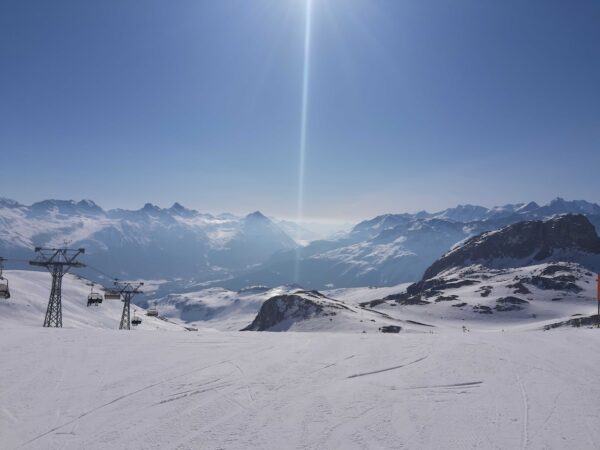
[(4, 290), (95, 298), (112, 295), (152, 311), (136, 321)]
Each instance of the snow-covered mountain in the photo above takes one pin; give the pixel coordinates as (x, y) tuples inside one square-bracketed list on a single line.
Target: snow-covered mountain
[(567, 237), (397, 248), (542, 270), (177, 243), (151, 242)]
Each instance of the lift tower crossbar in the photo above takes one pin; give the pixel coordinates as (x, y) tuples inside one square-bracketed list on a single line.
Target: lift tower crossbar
[(58, 261), (127, 289)]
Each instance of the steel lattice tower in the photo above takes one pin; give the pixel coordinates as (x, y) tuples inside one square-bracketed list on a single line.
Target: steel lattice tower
[(58, 261), (127, 289)]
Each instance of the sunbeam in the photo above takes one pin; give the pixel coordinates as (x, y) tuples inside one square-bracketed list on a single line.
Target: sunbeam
[(303, 128)]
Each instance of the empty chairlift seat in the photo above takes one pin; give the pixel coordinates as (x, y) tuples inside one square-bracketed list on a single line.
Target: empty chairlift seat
[(152, 311), (112, 295)]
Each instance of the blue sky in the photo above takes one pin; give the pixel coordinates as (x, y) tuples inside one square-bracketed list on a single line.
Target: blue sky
[(412, 104)]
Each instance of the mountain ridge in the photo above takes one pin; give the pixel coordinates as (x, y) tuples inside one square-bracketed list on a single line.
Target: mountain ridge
[(233, 251)]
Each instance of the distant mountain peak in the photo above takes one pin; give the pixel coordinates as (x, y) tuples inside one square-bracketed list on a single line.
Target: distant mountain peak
[(528, 207), (150, 207), (257, 215), (9, 202)]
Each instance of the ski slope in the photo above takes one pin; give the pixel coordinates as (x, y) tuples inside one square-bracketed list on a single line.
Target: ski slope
[(30, 291), (354, 296), (99, 388)]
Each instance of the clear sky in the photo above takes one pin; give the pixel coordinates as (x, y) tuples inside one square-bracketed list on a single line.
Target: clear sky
[(412, 104)]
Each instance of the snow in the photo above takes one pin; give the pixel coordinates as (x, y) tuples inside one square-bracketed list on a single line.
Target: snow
[(544, 306), (29, 298), (505, 384), (99, 388), (367, 254), (354, 296), (310, 311), (217, 308)]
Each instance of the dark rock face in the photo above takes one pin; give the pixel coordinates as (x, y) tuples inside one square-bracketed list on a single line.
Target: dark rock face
[(520, 288), (485, 291), (510, 303), (390, 329), (482, 309), (291, 307), (437, 285), (403, 299), (446, 298), (533, 241), (280, 308), (588, 321), (559, 283)]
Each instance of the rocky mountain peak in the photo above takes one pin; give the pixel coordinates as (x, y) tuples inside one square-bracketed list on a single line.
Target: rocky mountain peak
[(530, 241), (257, 216)]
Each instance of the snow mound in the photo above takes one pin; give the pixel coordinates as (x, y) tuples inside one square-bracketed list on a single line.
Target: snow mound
[(218, 308), (313, 311)]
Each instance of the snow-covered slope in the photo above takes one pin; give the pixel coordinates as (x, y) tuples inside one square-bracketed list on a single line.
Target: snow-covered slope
[(218, 308), (29, 298), (529, 273), (355, 296), (103, 389), (480, 297)]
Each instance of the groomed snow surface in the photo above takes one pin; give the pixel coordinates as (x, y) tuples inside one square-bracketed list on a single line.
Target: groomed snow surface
[(91, 386), (98, 389)]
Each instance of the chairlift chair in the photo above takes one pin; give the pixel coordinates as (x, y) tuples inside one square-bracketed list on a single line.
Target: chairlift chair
[(135, 321), (112, 295), (4, 290), (152, 311), (94, 298)]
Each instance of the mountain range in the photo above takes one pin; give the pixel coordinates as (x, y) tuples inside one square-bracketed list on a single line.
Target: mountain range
[(195, 248), (397, 248), (538, 270)]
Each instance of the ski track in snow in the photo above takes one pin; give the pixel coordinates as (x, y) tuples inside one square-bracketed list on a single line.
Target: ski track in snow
[(525, 398), (364, 374)]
